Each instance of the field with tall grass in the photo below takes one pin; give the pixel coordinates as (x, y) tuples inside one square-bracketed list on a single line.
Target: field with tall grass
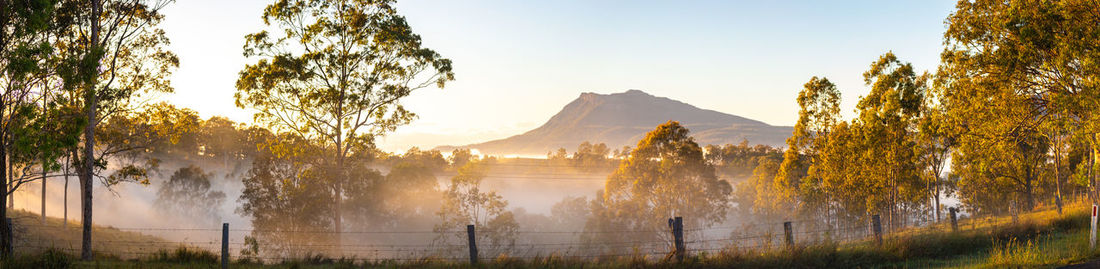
[(1039, 239)]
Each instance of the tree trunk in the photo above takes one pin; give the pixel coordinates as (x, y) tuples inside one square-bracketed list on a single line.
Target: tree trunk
[(5, 244), (11, 185), (1058, 173), (65, 202), (88, 167), (338, 192), (937, 197), (1029, 197), (45, 99), (43, 193)]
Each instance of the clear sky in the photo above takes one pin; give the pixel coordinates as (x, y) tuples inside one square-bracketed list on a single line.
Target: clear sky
[(518, 62)]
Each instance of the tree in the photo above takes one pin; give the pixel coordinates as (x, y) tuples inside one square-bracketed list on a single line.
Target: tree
[(1040, 55), (23, 48), (888, 120), (994, 172), (664, 177), (819, 103), (739, 161), (335, 71), (187, 194), (459, 157), (837, 170), (591, 157), (465, 203), (224, 139), (935, 139), (129, 137), (281, 194), (114, 53), (570, 213), (763, 201)]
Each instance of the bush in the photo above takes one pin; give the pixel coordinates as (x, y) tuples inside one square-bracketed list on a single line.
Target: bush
[(185, 255)]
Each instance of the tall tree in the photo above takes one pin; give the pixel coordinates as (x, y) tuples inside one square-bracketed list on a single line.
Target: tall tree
[(281, 194), (664, 177), (935, 141), (1041, 55), (335, 71), (116, 54), (466, 202), (819, 103), (21, 48), (187, 194), (888, 119)]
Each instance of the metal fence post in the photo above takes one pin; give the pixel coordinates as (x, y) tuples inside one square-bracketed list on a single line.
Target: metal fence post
[(473, 244), (225, 245)]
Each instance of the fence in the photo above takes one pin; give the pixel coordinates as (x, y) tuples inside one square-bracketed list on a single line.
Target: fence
[(278, 246)]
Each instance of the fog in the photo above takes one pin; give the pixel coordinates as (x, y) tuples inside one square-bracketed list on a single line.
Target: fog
[(130, 206)]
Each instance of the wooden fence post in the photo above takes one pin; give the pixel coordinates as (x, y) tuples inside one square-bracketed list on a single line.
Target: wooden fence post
[(473, 243), (954, 219), (788, 233), (678, 235), (876, 225), (225, 245)]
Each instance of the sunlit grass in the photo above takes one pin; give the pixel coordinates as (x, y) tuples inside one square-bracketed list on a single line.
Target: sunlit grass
[(1039, 239), (32, 237)]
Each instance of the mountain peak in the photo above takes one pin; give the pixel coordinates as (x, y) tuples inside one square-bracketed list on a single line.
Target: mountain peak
[(621, 119)]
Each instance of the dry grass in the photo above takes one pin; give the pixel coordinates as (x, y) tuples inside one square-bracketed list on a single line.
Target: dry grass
[(32, 237), (1038, 239)]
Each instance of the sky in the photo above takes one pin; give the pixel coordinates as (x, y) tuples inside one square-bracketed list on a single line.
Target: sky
[(517, 63)]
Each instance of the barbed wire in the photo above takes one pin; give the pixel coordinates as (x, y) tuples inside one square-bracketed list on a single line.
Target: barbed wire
[(523, 248)]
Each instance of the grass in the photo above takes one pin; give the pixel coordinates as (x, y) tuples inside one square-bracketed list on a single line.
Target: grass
[(32, 237), (1041, 239)]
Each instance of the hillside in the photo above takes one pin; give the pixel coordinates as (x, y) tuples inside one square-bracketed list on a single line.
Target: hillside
[(621, 119), (32, 237)]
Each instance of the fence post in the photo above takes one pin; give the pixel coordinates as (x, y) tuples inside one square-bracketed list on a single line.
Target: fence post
[(876, 225), (225, 245), (788, 233), (678, 233), (1092, 229), (473, 244), (954, 219)]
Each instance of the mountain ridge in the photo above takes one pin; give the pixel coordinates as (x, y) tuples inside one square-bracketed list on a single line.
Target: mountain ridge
[(621, 119)]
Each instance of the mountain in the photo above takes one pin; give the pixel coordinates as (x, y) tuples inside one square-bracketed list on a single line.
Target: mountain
[(621, 119)]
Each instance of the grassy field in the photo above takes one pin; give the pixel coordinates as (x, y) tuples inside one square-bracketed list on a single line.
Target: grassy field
[(1041, 239)]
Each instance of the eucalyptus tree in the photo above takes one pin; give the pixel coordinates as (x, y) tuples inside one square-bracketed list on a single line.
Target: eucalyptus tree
[(24, 50), (1041, 55), (335, 71), (819, 111), (935, 140), (665, 176), (887, 121), (465, 201), (115, 54)]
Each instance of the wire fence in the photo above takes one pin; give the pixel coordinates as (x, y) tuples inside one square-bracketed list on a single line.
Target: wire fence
[(275, 246), (283, 245)]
